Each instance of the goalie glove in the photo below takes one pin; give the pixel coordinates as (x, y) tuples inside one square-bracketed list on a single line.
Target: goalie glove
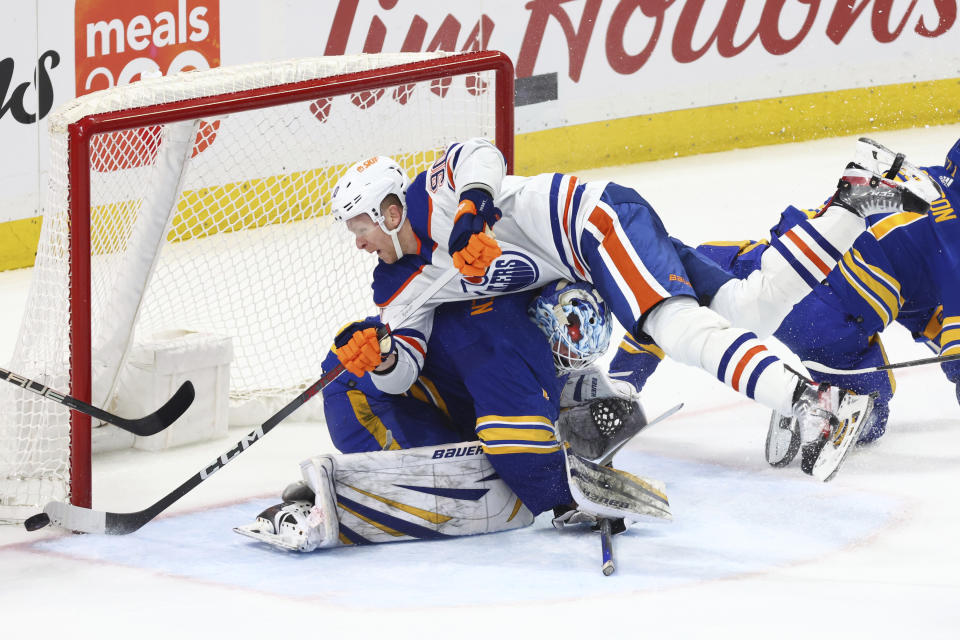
[(363, 346), (472, 244)]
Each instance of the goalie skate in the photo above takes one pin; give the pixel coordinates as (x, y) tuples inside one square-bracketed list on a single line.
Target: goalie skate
[(603, 492), (305, 521)]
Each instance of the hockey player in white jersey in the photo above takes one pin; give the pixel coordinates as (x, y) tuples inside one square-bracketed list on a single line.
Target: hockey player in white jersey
[(553, 226)]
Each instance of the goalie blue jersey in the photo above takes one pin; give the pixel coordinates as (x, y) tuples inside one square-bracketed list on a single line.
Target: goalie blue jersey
[(488, 376)]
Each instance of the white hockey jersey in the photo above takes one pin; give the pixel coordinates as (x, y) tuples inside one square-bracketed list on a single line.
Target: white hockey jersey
[(536, 234)]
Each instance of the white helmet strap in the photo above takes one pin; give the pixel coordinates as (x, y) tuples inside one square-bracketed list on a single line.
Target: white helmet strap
[(395, 232)]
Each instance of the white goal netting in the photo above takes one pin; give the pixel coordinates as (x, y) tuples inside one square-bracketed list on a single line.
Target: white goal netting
[(217, 224)]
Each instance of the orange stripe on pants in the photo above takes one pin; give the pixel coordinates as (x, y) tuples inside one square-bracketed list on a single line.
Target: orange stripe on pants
[(645, 295)]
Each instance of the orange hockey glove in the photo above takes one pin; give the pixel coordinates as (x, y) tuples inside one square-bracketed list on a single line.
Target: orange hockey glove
[(362, 346), (472, 244), (476, 257)]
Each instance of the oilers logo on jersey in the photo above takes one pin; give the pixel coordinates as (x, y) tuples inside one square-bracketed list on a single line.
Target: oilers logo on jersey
[(512, 271)]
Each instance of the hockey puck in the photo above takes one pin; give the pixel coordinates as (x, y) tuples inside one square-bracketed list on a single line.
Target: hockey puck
[(38, 521)]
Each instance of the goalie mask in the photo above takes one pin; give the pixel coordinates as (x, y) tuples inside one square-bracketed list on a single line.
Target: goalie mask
[(575, 320), (362, 189)]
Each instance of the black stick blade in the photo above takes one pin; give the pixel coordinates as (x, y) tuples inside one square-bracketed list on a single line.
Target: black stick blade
[(37, 521), (176, 405)]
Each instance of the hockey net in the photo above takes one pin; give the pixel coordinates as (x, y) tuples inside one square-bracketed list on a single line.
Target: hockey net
[(199, 202)]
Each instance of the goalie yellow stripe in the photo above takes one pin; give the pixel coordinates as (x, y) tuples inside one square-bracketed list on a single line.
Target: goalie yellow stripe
[(423, 514), (482, 420), (502, 449), (370, 421), (516, 509), (374, 523), (506, 433)]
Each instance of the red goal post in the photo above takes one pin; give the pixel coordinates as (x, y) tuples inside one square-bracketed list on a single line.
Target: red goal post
[(248, 168)]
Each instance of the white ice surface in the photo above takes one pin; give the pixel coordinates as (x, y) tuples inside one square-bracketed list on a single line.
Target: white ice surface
[(753, 552)]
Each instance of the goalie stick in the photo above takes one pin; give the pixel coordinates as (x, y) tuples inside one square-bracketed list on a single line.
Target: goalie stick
[(80, 519), (148, 425), (816, 366), (605, 525)]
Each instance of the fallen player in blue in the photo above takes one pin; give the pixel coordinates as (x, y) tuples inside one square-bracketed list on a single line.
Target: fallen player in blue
[(904, 269)]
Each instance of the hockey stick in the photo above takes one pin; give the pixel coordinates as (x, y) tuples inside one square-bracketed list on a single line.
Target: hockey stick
[(816, 366), (145, 426), (608, 458), (605, 524), (80, 519), (606, 546)]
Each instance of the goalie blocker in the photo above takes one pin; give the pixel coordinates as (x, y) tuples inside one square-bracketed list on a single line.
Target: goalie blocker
[(429, 493)]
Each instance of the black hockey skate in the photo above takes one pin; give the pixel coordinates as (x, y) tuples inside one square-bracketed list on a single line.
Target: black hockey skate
[(830, 421), (882, 181)]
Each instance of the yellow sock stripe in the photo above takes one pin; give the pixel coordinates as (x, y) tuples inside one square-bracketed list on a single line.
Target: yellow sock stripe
[(423, 514), (950, 333), (370, 421)]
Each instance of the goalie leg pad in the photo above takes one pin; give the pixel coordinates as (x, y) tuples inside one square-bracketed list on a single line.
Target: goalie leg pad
[(390, 496), (423, 493)]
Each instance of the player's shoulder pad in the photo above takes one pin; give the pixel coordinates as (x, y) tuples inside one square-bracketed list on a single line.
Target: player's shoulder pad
[(389, 280)]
